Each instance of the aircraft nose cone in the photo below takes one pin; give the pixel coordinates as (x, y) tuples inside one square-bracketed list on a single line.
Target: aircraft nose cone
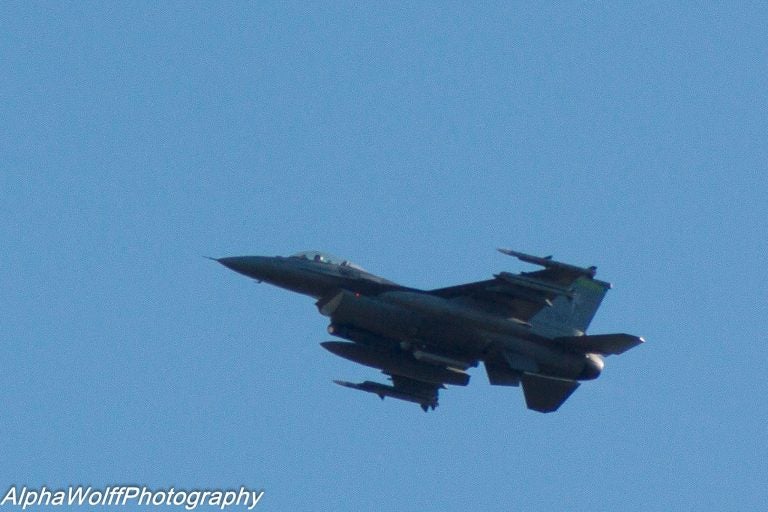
[(236, 263), (256, 267)]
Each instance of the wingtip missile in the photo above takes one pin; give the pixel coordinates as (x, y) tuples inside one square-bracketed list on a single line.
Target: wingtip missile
[(548, 262), (523, 256)]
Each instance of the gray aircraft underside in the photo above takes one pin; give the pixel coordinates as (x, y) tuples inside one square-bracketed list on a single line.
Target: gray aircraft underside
[(528, 329)]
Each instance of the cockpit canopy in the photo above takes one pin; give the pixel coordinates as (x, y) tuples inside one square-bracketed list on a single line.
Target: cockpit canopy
[(324, 257)]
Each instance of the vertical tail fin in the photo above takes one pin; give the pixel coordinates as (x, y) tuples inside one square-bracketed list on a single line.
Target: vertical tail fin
[(570, 316)]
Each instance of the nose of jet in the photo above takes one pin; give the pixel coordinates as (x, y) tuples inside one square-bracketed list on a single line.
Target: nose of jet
[(257, 267)]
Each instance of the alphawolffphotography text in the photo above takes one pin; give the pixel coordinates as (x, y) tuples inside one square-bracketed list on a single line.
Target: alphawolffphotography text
[(130, 495)]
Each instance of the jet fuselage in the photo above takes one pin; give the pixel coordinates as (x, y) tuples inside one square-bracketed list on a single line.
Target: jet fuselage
[(365, 302), (527, 328)]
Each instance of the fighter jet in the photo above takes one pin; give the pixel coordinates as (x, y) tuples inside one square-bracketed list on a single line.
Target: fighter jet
[(528, 329)]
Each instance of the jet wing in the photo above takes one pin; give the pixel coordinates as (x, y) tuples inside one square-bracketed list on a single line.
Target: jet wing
[(501, 297), (521, 296)]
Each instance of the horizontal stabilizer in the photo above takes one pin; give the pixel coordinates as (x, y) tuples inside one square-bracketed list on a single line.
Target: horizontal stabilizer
[(546, 394), (605, 344)]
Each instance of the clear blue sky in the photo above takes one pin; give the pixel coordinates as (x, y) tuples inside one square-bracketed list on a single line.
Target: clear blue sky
[(413, 140)]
